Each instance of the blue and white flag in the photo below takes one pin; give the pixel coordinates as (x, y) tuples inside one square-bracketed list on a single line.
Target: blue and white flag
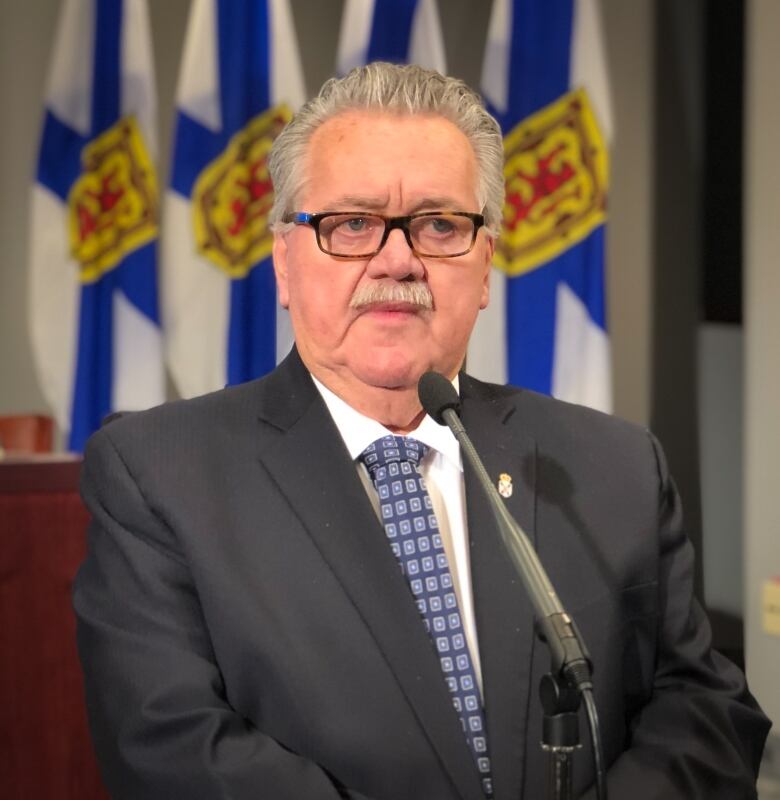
[(94, 221), (401, 31), (544, 77), (240, 81)]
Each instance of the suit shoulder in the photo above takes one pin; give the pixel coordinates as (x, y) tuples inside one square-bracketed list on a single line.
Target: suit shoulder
[(577, 446), (554, 421), (203, 417)]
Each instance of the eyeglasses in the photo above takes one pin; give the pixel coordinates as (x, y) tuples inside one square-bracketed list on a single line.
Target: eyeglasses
[(353, 234)]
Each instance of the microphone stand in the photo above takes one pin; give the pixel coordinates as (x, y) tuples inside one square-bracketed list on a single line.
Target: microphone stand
[(569, 679), (560, 733)]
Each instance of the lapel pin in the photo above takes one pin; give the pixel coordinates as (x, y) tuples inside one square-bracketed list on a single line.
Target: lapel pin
[(505, 485)]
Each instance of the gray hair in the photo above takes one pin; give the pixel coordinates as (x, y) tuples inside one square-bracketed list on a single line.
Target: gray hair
[(405, 89)]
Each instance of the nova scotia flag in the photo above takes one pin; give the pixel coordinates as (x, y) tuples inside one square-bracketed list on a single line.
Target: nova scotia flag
[(544, 78), (240, 80), (401, 31), (94, 221)]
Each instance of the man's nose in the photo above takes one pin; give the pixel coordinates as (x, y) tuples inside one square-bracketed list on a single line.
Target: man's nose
[(396, 259)]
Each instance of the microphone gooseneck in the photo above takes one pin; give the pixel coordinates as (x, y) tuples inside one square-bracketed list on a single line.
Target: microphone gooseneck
[(440, 401), (570, 659)]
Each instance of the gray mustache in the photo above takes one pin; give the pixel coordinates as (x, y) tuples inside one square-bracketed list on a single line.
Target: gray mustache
[(416, 294)]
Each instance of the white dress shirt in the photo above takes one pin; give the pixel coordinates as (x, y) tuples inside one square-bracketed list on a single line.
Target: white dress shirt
[(442, 470)]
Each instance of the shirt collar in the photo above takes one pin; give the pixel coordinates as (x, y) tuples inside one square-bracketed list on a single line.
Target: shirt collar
[(358, 430)]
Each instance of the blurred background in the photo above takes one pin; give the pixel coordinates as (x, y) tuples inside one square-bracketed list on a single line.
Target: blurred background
[(693, 236)]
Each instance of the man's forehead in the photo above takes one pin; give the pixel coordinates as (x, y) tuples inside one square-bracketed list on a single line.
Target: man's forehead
[(380, 201), (379, 133), (366, 159)]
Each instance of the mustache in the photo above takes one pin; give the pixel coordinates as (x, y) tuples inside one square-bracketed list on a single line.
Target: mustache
[(415, 294)]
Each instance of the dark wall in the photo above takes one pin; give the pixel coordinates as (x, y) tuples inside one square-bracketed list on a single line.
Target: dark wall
[(697, 228)]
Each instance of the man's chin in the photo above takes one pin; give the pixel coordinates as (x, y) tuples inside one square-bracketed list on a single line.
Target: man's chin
[(388, 374)]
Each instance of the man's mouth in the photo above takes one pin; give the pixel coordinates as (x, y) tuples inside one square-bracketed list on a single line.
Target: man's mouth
[(391, 308)]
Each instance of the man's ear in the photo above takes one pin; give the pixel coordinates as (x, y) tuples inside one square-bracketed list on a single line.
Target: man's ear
[(489, 250), (280, 269)]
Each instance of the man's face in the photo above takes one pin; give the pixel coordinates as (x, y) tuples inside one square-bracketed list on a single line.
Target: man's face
[(392, 165)]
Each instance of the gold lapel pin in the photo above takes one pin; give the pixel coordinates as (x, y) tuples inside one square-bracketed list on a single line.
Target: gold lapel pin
[(505, 488)]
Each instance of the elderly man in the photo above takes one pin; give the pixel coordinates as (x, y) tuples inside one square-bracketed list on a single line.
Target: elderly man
[(293, 589)]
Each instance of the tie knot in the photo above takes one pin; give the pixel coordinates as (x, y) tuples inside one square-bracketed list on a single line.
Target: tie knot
[(392, 449)]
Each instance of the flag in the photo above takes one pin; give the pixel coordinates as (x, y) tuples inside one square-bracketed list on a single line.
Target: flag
[(544, 78), (95, 325), (401, 31), (240, 80)]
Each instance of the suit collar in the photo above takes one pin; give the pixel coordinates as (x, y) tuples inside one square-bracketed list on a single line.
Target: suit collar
[(285, 394)]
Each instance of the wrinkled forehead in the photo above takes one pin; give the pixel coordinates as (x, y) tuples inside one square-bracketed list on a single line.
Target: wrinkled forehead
[(392, 157)]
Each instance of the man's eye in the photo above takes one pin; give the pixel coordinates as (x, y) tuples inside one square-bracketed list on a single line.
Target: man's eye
[(351, 225), (441, 225), (355, 224)]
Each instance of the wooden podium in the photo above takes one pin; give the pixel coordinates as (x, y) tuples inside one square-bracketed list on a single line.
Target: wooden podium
[(45, 749)]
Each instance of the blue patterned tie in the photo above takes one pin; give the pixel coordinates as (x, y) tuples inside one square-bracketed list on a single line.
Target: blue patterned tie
[(411, 526)]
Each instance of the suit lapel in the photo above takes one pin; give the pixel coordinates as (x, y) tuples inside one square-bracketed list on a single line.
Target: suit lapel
[(303, 452), (504, 615)]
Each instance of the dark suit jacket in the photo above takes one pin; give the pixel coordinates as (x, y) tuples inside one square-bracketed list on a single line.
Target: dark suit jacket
[(246, 633)]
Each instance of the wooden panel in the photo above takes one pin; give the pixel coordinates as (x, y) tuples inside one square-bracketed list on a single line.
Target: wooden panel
[(45, 750)]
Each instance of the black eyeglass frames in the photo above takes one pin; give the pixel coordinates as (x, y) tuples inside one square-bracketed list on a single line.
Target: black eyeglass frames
[(355, 234)]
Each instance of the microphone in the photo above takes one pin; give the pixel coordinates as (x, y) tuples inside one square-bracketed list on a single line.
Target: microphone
[(568, 653)]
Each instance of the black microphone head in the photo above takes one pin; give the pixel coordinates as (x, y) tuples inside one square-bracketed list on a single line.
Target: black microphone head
[(437, 394)]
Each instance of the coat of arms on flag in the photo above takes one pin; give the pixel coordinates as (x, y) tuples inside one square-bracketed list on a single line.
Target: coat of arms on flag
[(556, 183), (233, 196), (113, 206)]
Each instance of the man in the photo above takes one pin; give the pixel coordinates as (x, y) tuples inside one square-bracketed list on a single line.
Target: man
[(245, 628)]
